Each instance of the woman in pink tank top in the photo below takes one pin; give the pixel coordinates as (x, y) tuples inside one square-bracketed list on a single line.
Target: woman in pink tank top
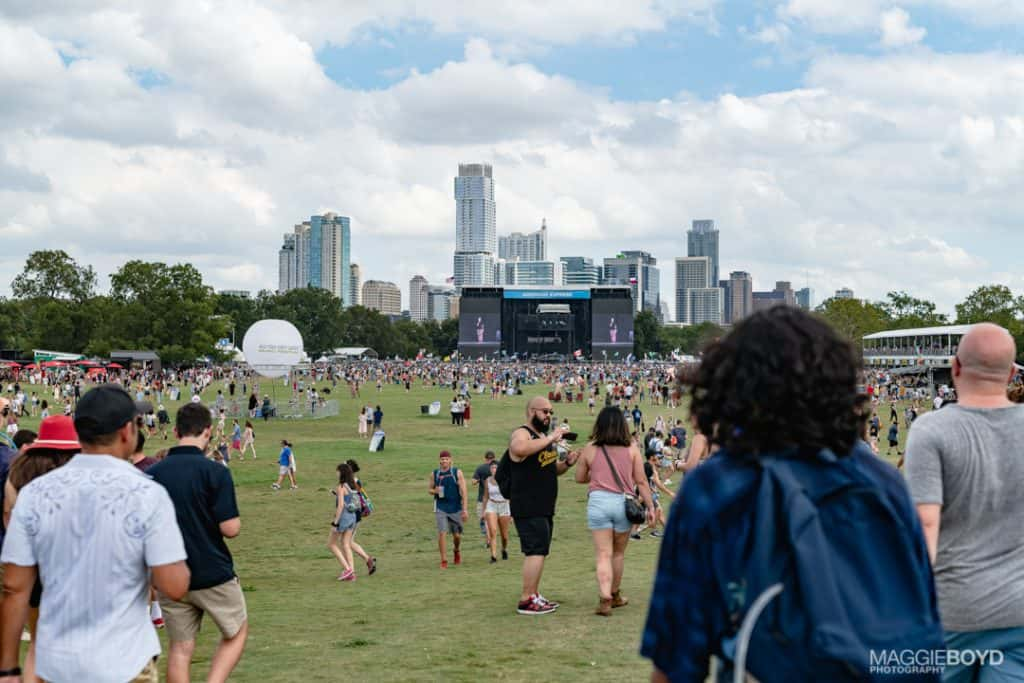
[(611, 465)]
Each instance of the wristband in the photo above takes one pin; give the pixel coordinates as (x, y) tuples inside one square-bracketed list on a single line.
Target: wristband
[(16, 671)]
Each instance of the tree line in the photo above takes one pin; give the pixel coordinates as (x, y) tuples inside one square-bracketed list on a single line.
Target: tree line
[(171, 310)]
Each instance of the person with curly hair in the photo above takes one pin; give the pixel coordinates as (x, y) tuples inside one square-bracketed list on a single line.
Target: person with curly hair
[(778, 394)]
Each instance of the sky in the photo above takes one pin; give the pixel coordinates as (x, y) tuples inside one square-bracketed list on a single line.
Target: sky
[(867, 144)]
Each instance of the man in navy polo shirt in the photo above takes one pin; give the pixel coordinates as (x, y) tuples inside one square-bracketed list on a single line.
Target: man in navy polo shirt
[(203, 494)]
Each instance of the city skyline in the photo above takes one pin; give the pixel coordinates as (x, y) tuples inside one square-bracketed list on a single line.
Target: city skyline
[(812, 133)]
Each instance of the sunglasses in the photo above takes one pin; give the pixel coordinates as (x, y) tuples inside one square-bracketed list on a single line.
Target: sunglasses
[(546, 411)]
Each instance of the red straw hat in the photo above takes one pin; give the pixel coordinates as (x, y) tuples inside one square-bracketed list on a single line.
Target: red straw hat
[(57, 432)]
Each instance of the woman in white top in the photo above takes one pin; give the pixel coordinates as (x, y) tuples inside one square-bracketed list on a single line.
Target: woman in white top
[(362, 423), (248, 440), (497, 516)]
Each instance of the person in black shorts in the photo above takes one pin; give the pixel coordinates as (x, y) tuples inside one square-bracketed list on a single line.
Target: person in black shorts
[(534, 474)]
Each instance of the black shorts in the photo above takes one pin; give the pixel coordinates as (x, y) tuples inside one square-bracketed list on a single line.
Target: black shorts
[(535, 534)]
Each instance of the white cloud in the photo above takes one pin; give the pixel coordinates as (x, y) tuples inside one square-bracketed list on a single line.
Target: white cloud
[(897, 31), (899, 168)]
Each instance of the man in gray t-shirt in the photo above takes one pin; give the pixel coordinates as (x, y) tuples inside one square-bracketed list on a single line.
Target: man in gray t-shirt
[(965, 470)]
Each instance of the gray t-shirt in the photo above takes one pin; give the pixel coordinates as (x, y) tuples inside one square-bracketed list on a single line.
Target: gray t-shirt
[(971, 462)]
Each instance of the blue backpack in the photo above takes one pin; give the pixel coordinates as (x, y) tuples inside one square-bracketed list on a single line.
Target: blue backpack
[(833, 576)]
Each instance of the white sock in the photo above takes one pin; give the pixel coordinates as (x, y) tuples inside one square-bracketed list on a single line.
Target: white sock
[(154, 610)]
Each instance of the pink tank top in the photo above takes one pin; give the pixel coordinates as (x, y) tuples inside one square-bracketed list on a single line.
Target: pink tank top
[(601, 478)]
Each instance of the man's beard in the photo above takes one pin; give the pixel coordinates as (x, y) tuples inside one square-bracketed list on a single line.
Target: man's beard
[(541, 424)]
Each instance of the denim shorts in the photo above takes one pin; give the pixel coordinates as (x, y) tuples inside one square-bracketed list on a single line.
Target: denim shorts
[(1008, 665), (607, 510)]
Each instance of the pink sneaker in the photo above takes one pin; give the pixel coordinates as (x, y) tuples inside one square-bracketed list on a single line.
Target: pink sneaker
[(348, 576)]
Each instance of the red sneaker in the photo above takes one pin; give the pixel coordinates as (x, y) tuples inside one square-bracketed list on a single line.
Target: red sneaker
[(533, 606), (444, 564), (458, 558), (158, 622)]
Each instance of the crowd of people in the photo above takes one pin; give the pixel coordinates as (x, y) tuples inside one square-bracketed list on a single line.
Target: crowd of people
[(782, 500)]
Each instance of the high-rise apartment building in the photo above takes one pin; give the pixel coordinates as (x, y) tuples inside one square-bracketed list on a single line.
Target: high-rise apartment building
[(741, 296), (697, 300), (355, 280), (418, 287), (782, 295), (702, 240), (638, 270), (529, 247), (726, 287), (317, 254), (524, 273), (442, 303), (844, 293), (287, 268), (382, 296), (805, 298), (579, 270), (475, 232), (700, 305)]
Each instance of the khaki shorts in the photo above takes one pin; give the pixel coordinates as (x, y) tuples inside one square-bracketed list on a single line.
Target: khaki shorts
[(224, 603)]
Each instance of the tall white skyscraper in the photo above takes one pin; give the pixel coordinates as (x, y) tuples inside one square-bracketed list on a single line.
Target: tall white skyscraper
[(697, 301), (418, 287), (475, 232)]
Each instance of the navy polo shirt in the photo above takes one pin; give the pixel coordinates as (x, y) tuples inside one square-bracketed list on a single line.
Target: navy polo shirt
[(203, 494)]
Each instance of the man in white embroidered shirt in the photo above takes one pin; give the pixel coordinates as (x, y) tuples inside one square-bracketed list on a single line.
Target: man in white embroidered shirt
[(94, 530)]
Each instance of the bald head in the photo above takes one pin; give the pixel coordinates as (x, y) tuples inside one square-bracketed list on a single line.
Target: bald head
[(537, 404), (986, 354)]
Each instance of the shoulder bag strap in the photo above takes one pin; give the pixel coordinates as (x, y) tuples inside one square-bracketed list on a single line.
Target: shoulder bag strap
[(614, 471)]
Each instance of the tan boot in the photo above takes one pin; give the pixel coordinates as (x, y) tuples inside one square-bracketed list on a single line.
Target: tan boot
[(618, 600), (604, 608)]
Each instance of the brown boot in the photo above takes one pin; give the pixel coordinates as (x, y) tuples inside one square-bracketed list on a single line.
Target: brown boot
[(618, 600), (604, 608)]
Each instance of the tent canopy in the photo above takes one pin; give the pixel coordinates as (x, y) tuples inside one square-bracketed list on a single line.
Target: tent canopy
[(355, 352)]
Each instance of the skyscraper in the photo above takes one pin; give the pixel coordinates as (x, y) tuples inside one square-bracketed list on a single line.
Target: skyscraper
[(702, 240), (782, 295), (355, 279), (524, 272), (805, 298), (418, 287), (317, 254), (741, 296), (844, 293), (579, 270), (698, 300), (287, 269), (381, 296), (529, 247), (475, 233), (639, 270)]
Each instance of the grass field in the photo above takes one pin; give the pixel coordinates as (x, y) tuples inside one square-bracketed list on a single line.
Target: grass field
[(412, 621)]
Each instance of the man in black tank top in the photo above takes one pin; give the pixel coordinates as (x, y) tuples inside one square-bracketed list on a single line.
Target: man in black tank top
[(534, 473)]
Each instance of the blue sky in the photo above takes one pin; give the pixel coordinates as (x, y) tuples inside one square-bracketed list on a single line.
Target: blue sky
[(705, 60)]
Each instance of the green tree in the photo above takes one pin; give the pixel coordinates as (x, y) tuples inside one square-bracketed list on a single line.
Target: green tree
[(907, 312), (53, 274), (240, 313), (315, 312), (166, 308), (991, 303), (854, 318), (645, 334)]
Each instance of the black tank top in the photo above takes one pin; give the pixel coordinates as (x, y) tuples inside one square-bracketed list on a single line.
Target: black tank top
[(535, 483)]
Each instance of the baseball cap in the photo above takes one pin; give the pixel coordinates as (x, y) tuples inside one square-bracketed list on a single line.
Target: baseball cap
[(489, 455), (444, 454), (103, 410)]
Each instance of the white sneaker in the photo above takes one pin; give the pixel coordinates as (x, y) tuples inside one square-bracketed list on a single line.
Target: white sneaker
[(668, 482), (275, 487)]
